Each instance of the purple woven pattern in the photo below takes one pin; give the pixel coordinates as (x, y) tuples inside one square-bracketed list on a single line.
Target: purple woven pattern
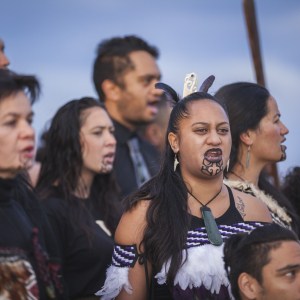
[(124, 255), (198, 236)]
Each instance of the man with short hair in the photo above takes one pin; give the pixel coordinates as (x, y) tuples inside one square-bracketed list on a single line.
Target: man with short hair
[(125, 72), (264, 265)]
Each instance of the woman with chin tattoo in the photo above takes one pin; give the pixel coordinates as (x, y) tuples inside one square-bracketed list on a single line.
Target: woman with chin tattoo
[(169, 241), (79, 194), (258, 135)]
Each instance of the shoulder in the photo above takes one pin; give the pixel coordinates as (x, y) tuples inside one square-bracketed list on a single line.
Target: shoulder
[(131, 227), (54, 205), (250, 207)]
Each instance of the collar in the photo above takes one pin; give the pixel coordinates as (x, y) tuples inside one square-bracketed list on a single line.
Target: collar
[(122, 133)]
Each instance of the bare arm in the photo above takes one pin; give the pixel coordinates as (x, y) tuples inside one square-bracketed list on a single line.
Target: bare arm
[(251, 208), (130, 231)]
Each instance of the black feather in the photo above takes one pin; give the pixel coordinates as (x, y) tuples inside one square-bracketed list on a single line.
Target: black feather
[(207, 83), (168, 90)]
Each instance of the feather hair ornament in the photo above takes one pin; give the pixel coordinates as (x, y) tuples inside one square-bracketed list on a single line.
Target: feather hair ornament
[(190, 86)]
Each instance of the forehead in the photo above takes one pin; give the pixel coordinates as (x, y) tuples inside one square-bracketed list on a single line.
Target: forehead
[(144, 62), (95, 116), (207, 111), (1, 45), (17, 103), (272, 105), (288, 253)]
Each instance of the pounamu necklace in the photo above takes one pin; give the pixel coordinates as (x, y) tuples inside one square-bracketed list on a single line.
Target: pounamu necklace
[(211, 227)]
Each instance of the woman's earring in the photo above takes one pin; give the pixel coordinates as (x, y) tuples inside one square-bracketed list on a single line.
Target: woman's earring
[(176, 162), (227, 165), (248, 157)]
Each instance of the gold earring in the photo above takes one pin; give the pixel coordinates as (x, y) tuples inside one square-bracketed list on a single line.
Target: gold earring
[(176, 162), (248, 157)]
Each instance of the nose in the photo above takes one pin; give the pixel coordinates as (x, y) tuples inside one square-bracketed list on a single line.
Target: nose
[(110, 139), (284, 130), (213, 138), (4, 62), (156, 92), (27, 131)]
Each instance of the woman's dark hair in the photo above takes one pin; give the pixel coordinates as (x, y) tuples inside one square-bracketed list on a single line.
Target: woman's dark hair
[(249, 253), (62, 165), (247, 104), (12, 83), (167, 216)]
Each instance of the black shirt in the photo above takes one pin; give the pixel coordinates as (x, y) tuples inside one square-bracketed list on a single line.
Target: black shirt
[(85, 257), (123, 166)]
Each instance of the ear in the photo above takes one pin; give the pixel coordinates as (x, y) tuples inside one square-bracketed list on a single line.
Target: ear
[(111, 90), (173, 141), (248, 286), (247, 137)]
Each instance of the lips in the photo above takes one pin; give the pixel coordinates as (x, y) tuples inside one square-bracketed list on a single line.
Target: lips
[(213, 155), (28, 152), (153, 108), (109, 157)]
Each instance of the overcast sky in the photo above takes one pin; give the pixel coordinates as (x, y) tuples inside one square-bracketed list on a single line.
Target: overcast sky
[(56, 40)]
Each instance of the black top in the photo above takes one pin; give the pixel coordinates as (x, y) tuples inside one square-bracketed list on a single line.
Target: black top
[(123, 166), (85, 256), (23, 239), (231, 215), (162, 292)]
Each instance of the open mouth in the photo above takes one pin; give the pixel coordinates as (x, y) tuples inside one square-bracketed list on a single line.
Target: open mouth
[(213, 155), (109, 158), (153, 107)]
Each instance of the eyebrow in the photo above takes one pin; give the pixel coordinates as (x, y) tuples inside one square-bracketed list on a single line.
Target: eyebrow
[(288, 268), (102, 127), (13, 114), (150, 76), (205, 123), (278, 114)]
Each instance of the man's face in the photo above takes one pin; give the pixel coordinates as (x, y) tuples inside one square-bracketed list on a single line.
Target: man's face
[(281, 276), (138, 99)]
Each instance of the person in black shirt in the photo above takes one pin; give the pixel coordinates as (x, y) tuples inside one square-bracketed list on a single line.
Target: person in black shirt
[(29, 260), (79, 194), (124, 74)]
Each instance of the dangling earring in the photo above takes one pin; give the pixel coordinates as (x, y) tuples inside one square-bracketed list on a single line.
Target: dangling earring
[(176, 162), (227, 165), (248, 157)]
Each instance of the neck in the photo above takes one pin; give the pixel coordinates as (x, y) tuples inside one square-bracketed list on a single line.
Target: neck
[(115, 115), (204, 190), (84, 185), (242, 173)]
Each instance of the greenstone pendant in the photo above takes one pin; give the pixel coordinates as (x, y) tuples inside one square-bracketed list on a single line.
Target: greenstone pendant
[(211, 227)]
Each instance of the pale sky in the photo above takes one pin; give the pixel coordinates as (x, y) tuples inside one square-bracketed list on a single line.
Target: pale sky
[(56, 41)]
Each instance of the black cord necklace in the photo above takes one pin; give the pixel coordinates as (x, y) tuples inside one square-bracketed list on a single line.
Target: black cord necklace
[(211, 227)]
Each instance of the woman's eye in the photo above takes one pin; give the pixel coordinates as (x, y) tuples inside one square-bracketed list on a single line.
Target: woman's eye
[(201, 130), (223, 130), (10, 123), (97, 133)]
